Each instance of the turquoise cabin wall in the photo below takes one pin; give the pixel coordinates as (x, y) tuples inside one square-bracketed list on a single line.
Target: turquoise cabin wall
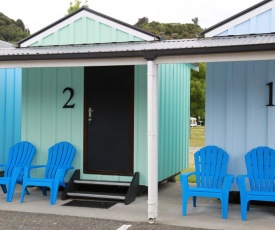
[(84, 31), (173, 121), (44, 121), (10, 110)]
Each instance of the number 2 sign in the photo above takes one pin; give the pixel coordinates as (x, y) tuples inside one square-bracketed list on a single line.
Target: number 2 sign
[(67, 105)]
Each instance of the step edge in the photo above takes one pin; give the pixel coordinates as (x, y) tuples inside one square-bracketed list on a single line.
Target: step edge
[(96, 196), (102, 183)]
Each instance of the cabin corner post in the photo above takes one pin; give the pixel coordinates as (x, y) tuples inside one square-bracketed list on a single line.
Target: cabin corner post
[(152, 103)]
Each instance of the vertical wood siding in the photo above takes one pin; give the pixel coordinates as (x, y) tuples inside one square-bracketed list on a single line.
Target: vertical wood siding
[(237, 118), (262, 23), (174, 113), (10, 110), (44, 121), (83, 31)]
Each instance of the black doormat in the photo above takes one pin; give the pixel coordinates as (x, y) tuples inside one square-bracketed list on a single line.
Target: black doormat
[(90, 204)]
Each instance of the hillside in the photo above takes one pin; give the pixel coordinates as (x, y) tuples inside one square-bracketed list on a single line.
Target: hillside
[(12, 31)]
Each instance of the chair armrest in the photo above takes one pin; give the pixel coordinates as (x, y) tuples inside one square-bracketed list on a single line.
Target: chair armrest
[(241, 182), (228, 181), (184, 179), (35, 166), (27, 169)]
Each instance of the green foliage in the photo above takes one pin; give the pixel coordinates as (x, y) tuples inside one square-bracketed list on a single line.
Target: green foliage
[(12, 31), (197, 92), (170, 30), (74, 7)]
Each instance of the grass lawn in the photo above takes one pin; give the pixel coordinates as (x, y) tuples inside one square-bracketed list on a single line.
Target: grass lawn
[(197, 139)]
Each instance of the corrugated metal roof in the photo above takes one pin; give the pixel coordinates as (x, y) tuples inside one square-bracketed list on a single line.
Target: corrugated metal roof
[(4, 44), (242, 43)]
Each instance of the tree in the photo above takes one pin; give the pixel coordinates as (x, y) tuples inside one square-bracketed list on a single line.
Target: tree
[(170, 30), (74, 7), (195, 20), (142, 21), (197, 92)]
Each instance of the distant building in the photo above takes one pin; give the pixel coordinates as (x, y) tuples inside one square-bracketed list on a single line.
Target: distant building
[(193, 121)]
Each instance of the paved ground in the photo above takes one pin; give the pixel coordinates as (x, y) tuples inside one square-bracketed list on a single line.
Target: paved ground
[(32, 221), (37, 213)]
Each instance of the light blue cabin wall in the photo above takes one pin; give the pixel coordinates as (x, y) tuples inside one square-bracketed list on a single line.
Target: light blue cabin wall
[(237, 118), (10, 110), (262, 23)]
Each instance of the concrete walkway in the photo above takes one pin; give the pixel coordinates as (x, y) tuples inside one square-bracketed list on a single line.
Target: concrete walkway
[(206, 215)]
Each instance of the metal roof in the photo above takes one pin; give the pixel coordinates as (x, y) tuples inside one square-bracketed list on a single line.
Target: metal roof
[(4, 44), (235, 16), (148, 50)]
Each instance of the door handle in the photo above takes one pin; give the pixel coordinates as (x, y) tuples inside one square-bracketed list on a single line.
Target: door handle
[(90, 115)]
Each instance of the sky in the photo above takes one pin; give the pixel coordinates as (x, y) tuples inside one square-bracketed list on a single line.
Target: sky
[(37, 14)]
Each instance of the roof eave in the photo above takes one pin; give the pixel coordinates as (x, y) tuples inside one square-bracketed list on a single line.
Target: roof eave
[(147, 54)]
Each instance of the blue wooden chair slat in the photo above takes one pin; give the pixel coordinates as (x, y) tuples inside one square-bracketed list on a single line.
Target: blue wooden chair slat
[(20, 155), (212, 179), (60, 158), (260, 164)]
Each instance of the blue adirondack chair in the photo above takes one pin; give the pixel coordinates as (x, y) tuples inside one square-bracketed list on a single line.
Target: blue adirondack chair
[(60, 157), (212, 180), (20, 155), (260, 165)]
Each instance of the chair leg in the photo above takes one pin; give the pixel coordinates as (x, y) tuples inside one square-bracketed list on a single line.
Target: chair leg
[(27, 191), (44, 191), (224, 209), (194, 201), (53, 196), (4, 188), (244, 208), (184, 204), (11, 189), (23, 193)]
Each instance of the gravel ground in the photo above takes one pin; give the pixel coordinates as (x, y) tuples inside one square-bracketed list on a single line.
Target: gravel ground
[(23, 220)]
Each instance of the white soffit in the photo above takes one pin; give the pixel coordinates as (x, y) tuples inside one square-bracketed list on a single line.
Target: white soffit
[(92, 16), (240, 19)]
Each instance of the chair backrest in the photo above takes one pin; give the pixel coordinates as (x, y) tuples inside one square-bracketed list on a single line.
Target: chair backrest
[(60, 155), (20, 155), (260, 164), (211, 164)]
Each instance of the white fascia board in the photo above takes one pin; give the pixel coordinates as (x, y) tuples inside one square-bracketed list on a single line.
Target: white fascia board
[(240, 19), (87, 14), (73, 63), (224, 57)]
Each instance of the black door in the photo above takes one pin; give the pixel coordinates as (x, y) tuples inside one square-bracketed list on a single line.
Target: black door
[(109, 120)]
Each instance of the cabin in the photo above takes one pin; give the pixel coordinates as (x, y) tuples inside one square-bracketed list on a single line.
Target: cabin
[(239, 94), (102, 110)]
